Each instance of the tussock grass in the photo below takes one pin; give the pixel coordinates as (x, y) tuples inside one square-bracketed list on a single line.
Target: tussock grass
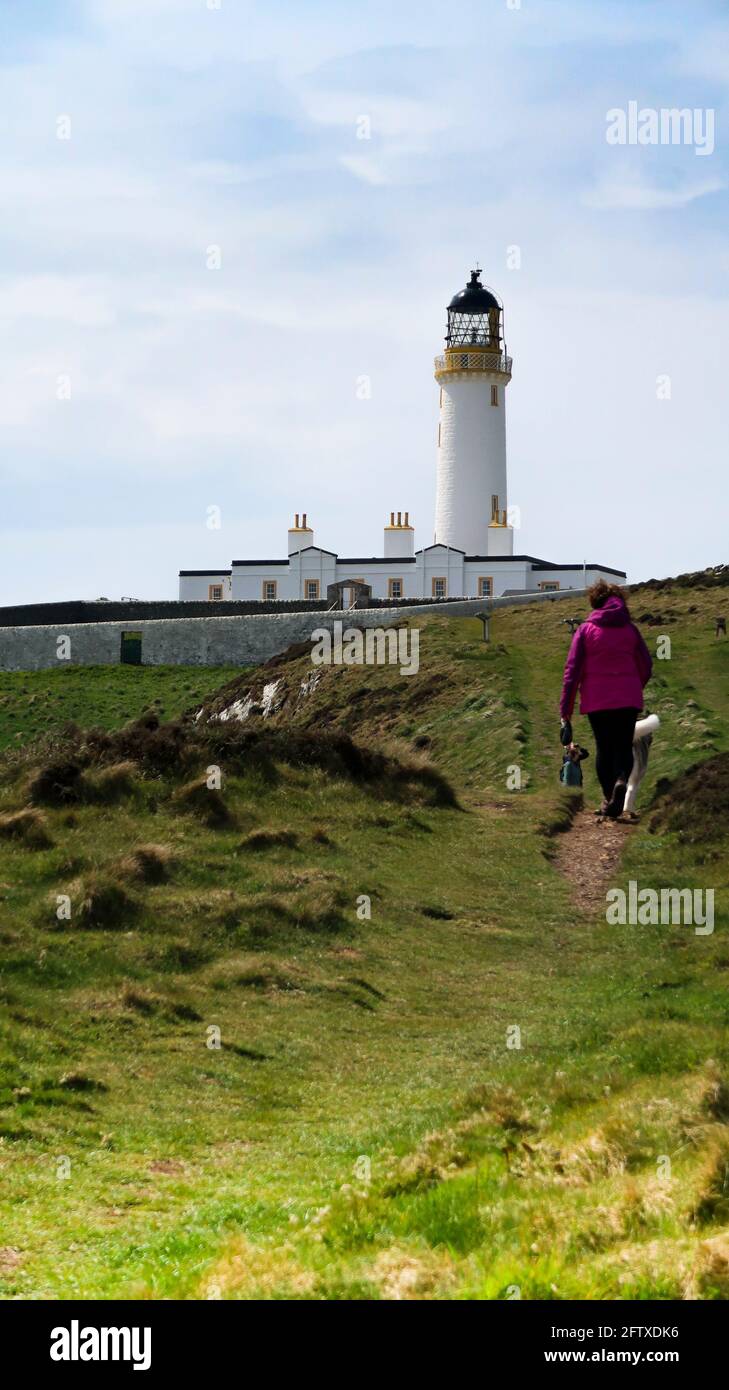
[(207, 803), (109, 784), (29, 827), (102, 902), (712, 1204), (269, 837), (148, 863)]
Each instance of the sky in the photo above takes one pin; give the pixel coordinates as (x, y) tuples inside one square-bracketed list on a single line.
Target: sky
[(228, 235)]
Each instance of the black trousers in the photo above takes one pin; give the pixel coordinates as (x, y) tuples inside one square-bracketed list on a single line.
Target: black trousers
[(613, 730)]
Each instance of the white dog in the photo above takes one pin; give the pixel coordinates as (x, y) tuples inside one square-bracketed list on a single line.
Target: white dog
[(642, 740)]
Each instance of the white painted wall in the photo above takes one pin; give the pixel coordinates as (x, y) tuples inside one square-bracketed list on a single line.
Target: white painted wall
[(471, 460), (398, 540), (197, 586)]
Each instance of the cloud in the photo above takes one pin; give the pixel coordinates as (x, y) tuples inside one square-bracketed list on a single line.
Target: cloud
[(632, 191), (238, 128)]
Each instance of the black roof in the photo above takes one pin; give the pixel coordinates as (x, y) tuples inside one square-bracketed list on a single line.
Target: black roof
[(186, 573), (475, 299), (544, 565), (376, 560)]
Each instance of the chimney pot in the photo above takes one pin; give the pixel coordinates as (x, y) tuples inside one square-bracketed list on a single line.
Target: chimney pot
[(296, 521), (407, 518), (399, 518), (304, 521)]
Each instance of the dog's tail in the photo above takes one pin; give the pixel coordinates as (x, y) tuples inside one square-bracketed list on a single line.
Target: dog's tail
[(646, 726)]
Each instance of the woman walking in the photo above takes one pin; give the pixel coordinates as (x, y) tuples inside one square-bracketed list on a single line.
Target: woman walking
[(610, 664)]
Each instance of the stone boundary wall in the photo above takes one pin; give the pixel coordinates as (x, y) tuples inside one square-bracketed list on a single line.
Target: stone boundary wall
[(135, 611), (244, 640)]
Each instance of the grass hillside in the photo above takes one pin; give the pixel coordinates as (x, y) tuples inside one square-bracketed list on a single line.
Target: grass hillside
[(337, 1028), (33, 703)]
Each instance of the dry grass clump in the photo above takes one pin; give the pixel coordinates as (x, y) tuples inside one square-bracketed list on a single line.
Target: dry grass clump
[(257, 1271), (403, 1275), (439, 1156), (715, 1095), (28, 826), (712, 1202), (109, 784), (394, 772), (103, 903), (711, 1274), (268, 837), (267, 975), (203, 801), (317, 908), (147, 863)]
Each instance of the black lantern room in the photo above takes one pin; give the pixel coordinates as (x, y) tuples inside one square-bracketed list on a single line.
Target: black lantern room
[(474, 317)]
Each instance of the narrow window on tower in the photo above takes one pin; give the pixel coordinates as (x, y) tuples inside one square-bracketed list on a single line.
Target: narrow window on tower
[(494, 395), (439, 434), (440, 399)]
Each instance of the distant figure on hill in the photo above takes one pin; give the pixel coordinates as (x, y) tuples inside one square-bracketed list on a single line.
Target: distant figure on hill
[(609, 664), (720, 627)]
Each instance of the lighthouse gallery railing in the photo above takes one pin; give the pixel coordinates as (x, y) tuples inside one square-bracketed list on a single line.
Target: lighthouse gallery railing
[(473, 361)]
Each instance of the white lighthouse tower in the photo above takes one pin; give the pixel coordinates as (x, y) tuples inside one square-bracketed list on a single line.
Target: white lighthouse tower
[(473, 374)]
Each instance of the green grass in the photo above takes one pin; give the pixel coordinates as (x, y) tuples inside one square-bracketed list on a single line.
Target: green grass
[(33, 703), (365, 1130)]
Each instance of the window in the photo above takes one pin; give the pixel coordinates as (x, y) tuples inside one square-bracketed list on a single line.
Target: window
[(440, 400), (311, 590), (485, 586), (439, 434), (439, 587), (394, 588), (549, 586), (494, 395), (269, 590), (215, 592)]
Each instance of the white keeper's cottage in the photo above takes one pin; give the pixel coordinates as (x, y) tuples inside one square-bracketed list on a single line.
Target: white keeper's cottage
[(473, 551)]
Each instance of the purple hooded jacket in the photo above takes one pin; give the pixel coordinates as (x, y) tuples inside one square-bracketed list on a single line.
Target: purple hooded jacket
[(608, 661)]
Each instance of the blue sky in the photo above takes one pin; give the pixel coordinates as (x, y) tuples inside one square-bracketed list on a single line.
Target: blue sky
[(184, 387)]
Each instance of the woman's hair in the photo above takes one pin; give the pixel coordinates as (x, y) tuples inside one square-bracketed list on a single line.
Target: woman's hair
[(599, 593)]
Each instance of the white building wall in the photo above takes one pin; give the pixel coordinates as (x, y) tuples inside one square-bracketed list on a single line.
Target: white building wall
[(512, 575), (248, 581), (197, 586), (471, 465), (573, 578), (378, 576), (438, 561)]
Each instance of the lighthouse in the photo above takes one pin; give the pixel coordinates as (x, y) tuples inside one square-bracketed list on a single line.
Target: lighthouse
[(473, 373)]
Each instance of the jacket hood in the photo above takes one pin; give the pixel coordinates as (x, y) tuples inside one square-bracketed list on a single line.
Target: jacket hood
[(614, 613)]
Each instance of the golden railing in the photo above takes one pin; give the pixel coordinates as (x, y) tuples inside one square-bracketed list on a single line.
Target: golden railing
[(463, 360)]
